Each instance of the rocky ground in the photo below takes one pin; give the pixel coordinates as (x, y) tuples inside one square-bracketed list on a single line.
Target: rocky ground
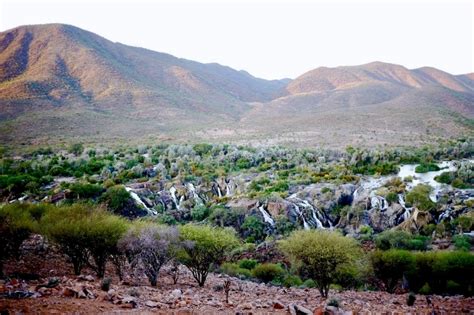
[(56, 292)]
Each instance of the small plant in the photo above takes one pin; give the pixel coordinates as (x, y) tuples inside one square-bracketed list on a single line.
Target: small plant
[(105, 284), (411, 298), (248, 263), (333, 302), (227, 284), (268, 272)]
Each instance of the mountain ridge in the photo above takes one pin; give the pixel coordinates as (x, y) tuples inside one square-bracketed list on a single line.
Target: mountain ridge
[(58, 81)]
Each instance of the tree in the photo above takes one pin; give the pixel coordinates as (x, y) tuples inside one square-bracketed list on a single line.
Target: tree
[(390, 266), (204, 246), (117, 198), (17, 222), (253, 228), (76, 148), (88, 236), (318, 254), (150, 246)]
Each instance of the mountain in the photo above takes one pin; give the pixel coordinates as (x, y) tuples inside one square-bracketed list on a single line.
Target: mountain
[(61, 83)]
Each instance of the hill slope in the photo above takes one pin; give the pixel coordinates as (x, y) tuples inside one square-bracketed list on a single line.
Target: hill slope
[(58, 82)]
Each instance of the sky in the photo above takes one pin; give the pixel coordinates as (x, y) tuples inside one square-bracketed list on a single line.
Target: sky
[(273, 39)]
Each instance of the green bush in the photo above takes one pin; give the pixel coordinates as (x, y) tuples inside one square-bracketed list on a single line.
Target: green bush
[(455, 266), (309, 283), (390, 266), (268, 272), (205, 246), (116, 198), (400, 240), (291, 281), (200, 212), (17, 222), (248, 263), (462, 242), (419, 197), (254, 227), (234, 270), (426, 167), (88, 236), (319, 253), (80, 190)]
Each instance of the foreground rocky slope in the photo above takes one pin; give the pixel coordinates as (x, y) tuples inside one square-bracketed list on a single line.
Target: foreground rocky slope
[(55, 291)]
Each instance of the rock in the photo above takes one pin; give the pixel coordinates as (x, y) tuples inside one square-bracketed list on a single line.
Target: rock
[(278, 305), (86, 278), (69, 292), (318, 311), (82, 295), (176, 293), (151, 304), (298, 310), (245, 306)]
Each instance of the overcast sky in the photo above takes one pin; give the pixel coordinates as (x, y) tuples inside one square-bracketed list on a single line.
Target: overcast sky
[(273, 38)]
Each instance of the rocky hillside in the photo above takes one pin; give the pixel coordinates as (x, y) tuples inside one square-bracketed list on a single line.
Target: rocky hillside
[(59, 82)]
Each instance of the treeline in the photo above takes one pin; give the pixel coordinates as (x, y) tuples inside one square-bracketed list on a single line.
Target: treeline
[(92, 237), (205, 162)]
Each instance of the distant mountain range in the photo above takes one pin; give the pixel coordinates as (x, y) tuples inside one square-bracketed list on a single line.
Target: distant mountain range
[(58, 82)]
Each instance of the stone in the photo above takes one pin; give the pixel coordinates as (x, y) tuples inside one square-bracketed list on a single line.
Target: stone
[(151, 304), (69, 292), (278, 305), (176, 293), (245, 306), (86, 278)]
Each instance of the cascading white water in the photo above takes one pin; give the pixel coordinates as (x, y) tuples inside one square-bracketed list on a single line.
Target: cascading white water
[(227, 190), (319, 224), (139, 201), (407, 212), (196, 197), (173, 196), (266, 216), (298, 211), (379, 203), (219, 193)]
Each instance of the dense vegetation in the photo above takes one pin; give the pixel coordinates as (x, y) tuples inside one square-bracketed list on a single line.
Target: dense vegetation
[(80, 200)]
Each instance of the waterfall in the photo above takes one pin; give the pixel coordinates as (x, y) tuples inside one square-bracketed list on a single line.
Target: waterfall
[(173, 196), (219, 193), (407, 213), (378, 202), (266, 216), (227, 190), (305, 224), (139, 201), (196, 197), (319, 224)]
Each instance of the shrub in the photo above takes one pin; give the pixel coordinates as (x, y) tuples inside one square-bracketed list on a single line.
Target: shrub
[(392, 239), (17, 222), (248, 263), (425, 289), (200, 212), (390, 266), (268, 272), (462, 242), (411, 298), (85, 235), (319, 253), (292, 281), (309, 283), (253, 227), (105, 284), (419, 197), (234, 270), (80, 190), (426, 167), (116, 198), (333, 302), (149, 246), (455, 266), (76, 148), (205, 246)]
